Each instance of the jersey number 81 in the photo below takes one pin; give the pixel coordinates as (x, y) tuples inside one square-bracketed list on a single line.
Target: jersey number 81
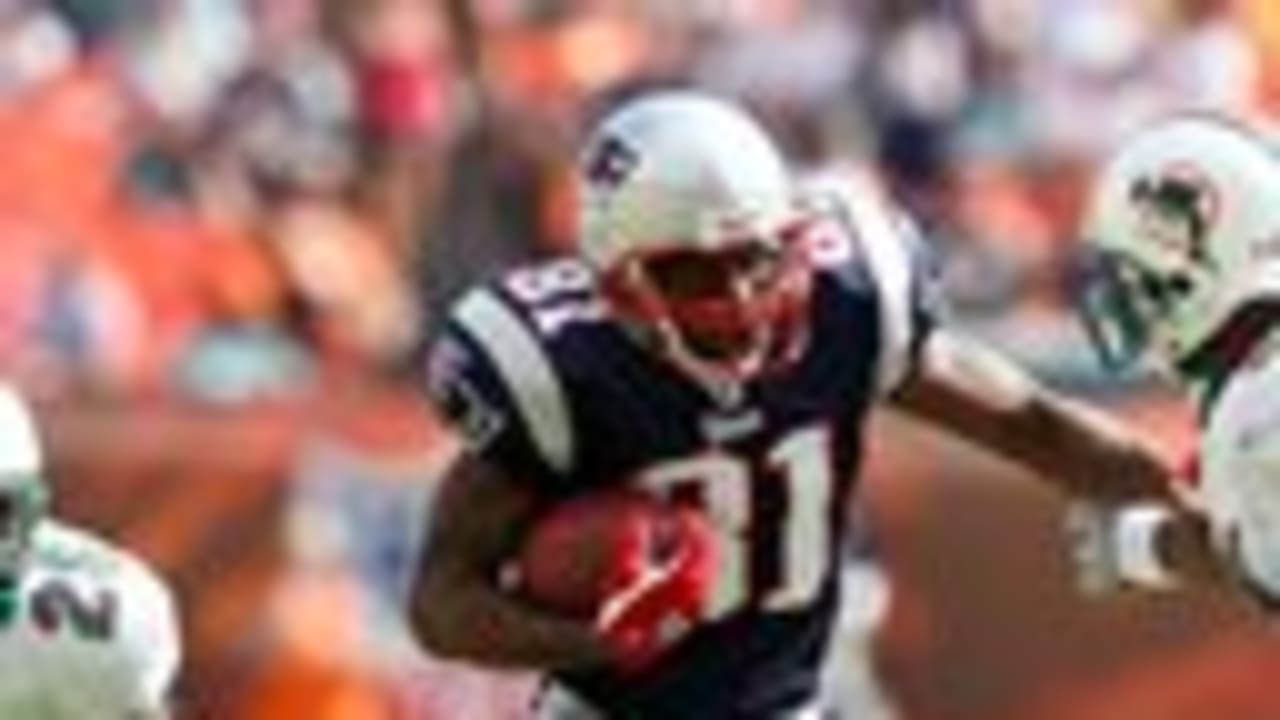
[(801, 461)]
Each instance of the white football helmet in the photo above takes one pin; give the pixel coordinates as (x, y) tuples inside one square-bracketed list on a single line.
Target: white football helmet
[(1185, 222), (24, 498), (688, 215)]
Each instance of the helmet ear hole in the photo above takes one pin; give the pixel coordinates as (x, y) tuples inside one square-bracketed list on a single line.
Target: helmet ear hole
[(1181, 284)]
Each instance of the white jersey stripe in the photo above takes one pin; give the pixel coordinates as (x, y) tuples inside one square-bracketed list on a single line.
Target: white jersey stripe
[(526, 371), (889, 261)]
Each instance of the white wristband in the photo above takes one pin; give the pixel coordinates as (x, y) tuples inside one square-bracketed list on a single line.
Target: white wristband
[(1137, 530)]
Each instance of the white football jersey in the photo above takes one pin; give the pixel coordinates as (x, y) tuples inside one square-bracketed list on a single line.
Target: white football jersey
[(1240, 470), (91, 633)]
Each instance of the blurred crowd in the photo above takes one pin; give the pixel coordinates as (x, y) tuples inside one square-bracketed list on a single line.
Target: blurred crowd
[(213, 196), (232, 200)]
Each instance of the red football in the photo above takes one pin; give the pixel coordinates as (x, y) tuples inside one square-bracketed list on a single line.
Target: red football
[(587, 549)]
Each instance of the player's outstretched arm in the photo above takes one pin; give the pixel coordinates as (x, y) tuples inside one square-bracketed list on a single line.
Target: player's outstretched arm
[(457, 607), (979, 395)]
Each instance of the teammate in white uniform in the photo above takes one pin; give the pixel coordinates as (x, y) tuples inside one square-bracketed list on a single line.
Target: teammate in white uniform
[(1185, 225), (87, 631)]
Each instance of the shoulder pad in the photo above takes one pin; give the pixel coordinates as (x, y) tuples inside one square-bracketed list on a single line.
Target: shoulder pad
[(495, 377), (892, 254)]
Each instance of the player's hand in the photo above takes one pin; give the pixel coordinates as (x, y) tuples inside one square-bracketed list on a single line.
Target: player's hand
[(1127, 546), (655, 606), (1116, 547), (1146, 546)]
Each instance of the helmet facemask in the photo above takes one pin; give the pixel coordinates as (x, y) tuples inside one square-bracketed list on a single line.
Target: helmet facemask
[(1128, 308), (23, 504), (721, 315)]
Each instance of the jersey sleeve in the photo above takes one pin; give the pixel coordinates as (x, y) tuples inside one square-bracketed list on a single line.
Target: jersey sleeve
[(493, 379), (151, 634), (1239, 483), (902, 269)]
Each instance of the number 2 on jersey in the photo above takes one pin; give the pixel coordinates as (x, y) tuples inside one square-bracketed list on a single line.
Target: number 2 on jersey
[(55, 606), (723, 484)]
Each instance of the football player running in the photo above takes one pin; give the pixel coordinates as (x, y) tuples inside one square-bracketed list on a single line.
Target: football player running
[(86, 629), (720, 340), (1183, 230)]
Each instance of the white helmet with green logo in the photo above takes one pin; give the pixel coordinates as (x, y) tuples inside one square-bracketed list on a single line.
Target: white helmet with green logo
[(1184, 229)]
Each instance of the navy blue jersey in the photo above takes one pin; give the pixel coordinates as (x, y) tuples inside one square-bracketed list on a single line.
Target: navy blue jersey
[(547, 386)]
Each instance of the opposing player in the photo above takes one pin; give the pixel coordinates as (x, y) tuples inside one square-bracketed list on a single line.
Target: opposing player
[(1184, 228), (719, 342), (86, 630)]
